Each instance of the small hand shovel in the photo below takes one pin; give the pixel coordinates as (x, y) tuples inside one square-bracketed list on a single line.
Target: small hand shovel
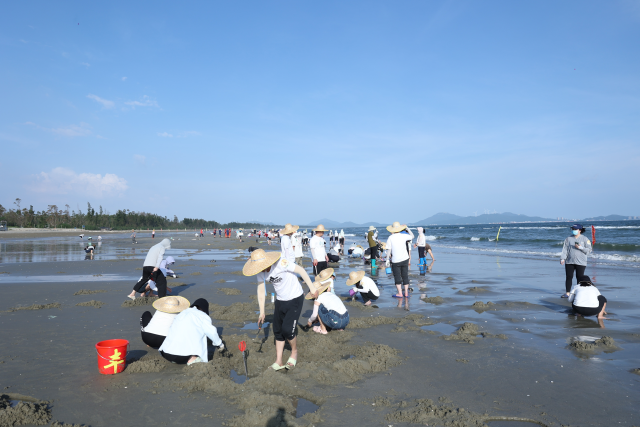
[(242, 346)]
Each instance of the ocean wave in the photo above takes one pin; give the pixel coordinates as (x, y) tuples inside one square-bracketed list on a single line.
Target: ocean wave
[(475, 239), (434, 237), (599, 256), (460, 228), (534, 228)]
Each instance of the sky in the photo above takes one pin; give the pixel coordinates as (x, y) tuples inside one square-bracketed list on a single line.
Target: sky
[(292, 111)]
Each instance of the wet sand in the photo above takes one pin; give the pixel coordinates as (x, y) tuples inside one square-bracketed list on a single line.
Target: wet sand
[(479, 340)]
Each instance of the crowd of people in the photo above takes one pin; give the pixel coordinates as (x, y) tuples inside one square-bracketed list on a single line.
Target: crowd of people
[(182, 331)]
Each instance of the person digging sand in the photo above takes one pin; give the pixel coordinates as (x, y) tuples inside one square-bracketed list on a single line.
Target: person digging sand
[(281, 273), (328, 310), (587, 300), (186, 341), (155, 328), (151, 270), (368, 289)]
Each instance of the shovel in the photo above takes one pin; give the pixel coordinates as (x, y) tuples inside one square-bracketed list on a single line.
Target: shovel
[(242, 346)]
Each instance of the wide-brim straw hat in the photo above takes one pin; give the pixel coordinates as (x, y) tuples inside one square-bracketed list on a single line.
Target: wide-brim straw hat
[(258, 261), (172, 304), (289, 229), (372, 228), (320, 227), (396, 227), (384, 246), (323, 276), (355, 277)]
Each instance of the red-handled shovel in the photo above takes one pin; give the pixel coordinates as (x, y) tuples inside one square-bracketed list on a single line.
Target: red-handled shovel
[(242, 346)]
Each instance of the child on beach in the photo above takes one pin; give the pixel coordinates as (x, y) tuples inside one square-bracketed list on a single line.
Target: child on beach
[(269, 267), (154, 328), (368, 289), (328, 310)]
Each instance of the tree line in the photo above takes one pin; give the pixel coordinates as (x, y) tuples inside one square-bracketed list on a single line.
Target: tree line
[(124, 219)]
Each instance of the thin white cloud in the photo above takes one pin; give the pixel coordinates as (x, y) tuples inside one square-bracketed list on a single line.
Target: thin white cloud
[(105, 102), (145, 102), (65, 181), (139, 158), (188, 133), (165, 134), (124, 78), (24, 41), (86, 64), (72, 130)]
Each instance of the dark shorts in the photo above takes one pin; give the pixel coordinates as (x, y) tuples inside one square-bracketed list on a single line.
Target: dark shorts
[(180, 360), (342, 241), (152, 340), (374, 252), (332, 319), (285, 318), (591, 311), (322, 265), (401, 272)]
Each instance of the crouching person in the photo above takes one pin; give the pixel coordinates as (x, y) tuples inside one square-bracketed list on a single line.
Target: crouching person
[(586, 299), (186, 341), (328, 309), (155, 328), (368, 289)]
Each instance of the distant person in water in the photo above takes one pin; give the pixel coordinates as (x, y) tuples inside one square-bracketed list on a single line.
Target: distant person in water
[(586, 300), (574, 256), (133, 236), (153, 234)]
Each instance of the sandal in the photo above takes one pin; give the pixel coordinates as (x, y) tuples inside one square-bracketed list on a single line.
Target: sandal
[(276, 367), (398, 296), (291, 363)]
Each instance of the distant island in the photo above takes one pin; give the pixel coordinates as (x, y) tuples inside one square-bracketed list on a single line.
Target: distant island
[(444, 218)]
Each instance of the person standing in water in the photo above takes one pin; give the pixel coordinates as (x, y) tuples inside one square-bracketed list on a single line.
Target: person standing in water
[(153, 234), (282, 274), (574, 256), (286, 243), (372, 239)]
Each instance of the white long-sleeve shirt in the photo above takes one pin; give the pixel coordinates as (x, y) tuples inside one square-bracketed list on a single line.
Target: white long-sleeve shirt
[(397, 246), (188, 334), (367, 285), (584, 296), (155, 254)]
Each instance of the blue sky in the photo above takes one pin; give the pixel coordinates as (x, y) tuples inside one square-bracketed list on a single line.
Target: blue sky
[(295, 111)]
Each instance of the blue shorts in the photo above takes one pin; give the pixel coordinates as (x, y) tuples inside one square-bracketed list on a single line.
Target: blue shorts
[(332, 319)]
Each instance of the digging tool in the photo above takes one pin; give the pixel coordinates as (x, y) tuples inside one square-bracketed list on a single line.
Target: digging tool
[(242, 346)]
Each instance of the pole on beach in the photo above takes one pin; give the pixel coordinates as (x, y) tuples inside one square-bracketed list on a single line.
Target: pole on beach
[(498, 236), (593, 234), (242, 346)]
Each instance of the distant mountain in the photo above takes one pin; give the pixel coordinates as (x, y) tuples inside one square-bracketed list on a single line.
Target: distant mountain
[(451, 219), (609, 218)]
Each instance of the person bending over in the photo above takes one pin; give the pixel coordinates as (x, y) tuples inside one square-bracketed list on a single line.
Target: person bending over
[(368, 289), (155, 327), (586, 299), (328, 310), (268, 267), (186, 340), (151, 270)]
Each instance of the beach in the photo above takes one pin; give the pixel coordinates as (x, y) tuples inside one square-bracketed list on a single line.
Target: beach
[(483, 340)]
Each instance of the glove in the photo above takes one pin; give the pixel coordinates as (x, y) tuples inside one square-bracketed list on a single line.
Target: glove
[(221, 346), (352, 292)]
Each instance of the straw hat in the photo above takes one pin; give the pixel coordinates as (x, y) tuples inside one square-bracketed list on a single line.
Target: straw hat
[(396, 227), (259, 261), (173, 304), (320, 227), (372, 228), (324, 276), (355, 277), (384, 246), (288, 229)]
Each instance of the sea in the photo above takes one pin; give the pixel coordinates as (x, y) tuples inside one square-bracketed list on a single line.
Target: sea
[(617, 242)]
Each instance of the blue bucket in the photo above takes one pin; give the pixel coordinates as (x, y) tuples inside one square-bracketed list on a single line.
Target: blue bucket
[(388, 270)]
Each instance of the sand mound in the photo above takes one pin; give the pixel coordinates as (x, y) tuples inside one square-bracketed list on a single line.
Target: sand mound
[(367, 322), (433, 300), (92, 303), (606, 343), (26, 411), (220, 281), (426, 412), (467, 332), (89, 291), (636, 371), (139, 302), (61, 424), (176, 284), (473, 290), (151, 362), (230, 291), (480, 306), (37, 307), (197, 273)]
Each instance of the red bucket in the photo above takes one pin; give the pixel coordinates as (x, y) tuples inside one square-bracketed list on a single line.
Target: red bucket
[(112, 356)]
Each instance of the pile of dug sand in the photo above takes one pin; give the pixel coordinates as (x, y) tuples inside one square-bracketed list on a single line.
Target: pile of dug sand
[(92, 303), (37, 307), (230, 291), (89, 291), (606, 343), (26, 411), (138, 302)]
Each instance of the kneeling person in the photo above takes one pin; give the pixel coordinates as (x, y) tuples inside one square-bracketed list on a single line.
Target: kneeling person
[(155, 328), (368, 289), (328, 309), (186, 341)]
